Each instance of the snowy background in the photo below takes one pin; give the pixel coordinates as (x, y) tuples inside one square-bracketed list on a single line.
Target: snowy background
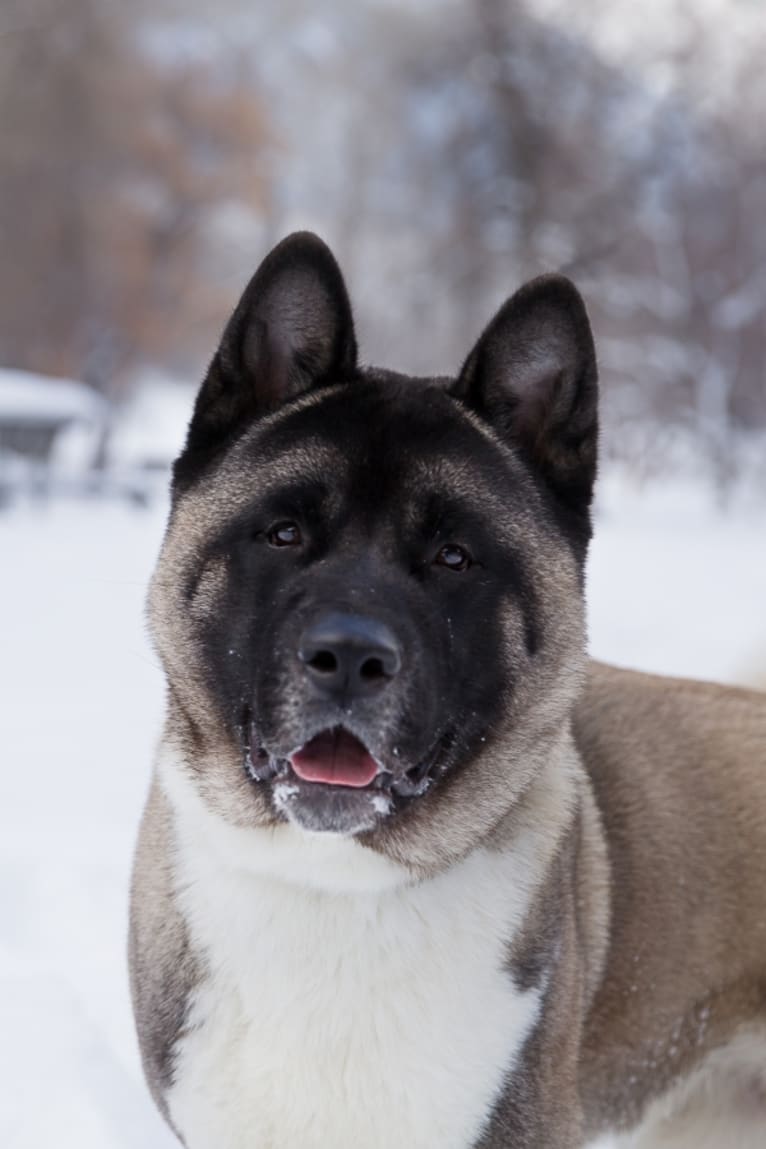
[(149, 155)]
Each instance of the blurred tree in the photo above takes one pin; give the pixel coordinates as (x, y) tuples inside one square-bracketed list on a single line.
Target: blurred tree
[(548, 157), (695, 298), (112, 167)]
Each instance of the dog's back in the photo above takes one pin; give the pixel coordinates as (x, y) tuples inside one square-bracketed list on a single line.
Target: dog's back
[(679, 772)]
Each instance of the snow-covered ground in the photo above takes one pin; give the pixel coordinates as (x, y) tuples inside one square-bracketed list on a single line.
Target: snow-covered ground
[(675, 585)]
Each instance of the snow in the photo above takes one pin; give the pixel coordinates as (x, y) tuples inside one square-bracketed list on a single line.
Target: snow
[(81, 702), (675, 584)]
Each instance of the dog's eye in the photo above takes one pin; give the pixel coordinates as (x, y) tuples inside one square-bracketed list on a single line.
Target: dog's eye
[(454, 557), (284, 535)]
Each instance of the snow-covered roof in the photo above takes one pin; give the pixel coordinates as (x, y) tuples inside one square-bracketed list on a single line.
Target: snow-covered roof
[(31, 398)]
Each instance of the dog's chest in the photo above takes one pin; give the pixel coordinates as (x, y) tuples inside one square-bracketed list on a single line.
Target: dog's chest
[(368, 1020)]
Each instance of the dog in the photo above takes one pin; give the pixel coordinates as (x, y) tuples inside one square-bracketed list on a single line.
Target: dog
[(412, 871)]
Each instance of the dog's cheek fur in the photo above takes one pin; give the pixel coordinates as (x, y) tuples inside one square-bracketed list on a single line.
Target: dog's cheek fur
[(469, 803), (183, 603)]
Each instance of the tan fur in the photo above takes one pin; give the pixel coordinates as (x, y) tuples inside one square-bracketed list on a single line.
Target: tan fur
[(679, 770)]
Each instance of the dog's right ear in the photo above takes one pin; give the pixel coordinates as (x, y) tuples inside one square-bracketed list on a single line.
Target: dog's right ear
[(292, 330)]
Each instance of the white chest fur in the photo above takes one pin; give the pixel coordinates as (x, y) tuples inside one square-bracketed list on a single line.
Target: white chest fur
[(375, 1019)]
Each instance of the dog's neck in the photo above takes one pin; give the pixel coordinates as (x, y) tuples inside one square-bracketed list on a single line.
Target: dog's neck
[(530, 831)]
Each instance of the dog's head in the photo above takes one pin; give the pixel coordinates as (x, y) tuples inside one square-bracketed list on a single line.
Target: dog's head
[(369, 599)]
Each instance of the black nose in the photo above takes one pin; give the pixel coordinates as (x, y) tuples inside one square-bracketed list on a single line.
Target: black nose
[(349, 654)]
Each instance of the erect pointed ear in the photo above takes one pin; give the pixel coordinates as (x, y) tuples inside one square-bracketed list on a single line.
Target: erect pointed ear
[(532, 376), (292, 330)]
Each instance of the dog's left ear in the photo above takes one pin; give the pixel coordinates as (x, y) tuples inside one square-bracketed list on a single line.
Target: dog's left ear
[(291, 331), (532, 376)]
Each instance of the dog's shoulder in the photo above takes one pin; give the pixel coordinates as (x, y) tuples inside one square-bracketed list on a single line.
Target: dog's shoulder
[(628, 712), (163, 967), (679, 763), (678, 769)]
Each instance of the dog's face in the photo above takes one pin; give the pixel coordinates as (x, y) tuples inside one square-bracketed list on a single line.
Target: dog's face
[(369, 601)]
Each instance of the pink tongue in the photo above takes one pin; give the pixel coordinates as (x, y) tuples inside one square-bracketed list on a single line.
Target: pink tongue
[(334, 757)]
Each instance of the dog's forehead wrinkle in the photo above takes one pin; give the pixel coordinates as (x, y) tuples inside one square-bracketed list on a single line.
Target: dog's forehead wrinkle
[(379, 425), (460, 486), (506, 507), (247, 478), (287, 462)]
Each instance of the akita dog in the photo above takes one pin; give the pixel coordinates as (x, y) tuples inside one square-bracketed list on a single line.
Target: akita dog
[(412, 873)]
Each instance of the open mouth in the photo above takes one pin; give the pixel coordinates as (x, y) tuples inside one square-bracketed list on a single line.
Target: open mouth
[(334, 757)]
